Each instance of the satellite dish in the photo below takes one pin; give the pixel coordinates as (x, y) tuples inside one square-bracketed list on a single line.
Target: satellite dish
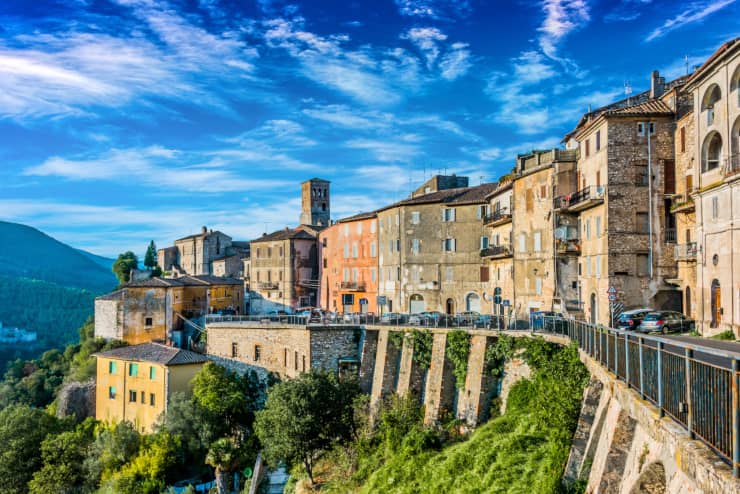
[(560, 233)]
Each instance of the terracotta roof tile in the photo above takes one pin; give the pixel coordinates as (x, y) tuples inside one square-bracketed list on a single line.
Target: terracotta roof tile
[(155, 352)]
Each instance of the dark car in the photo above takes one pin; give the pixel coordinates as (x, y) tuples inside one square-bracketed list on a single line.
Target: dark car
[(546, 320), (631, 319), (665, 322)]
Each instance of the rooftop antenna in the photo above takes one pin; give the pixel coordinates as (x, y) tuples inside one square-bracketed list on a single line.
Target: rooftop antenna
[(627, 90), (480, 177)]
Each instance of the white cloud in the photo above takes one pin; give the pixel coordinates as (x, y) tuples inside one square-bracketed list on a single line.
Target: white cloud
[(386, 150), (426, 39), (434, 9), (456, 62), (561, 18), (695, 12)]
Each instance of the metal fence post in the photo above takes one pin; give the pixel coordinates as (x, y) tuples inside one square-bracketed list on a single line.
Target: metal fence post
[(736, 418), (642, 368), (616, 355), (627, 359), (607, 349), (689, 354), (661, 412)]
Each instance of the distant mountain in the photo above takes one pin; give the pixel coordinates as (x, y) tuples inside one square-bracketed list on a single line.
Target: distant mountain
[(28, 253), (105, 262)]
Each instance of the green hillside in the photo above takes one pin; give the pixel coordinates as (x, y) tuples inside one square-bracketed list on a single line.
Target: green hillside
[(26, 252), (104, 262)]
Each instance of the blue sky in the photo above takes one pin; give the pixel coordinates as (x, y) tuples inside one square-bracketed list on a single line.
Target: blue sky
[(123, 121)]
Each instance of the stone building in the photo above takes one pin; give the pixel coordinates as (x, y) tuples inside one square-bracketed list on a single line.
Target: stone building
[(429, 250), (135, 383), (195, 254), (538, 264), (715, 149), (497, 248), (349, 265), (284, 271), (316, 202), (286, 350), (625, 177), (155, 309)]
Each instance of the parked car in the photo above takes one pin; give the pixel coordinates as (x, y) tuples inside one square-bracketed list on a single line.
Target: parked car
[(225, 312), (431, 318), (546, 320), (631, 319), (391, 318), (665, 322), (278, 315), (468, 318)]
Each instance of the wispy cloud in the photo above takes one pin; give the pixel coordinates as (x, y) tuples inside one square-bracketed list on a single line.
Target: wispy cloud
[(695, 12), (385, 150), (434, 9), (561, 18), (626, 10)]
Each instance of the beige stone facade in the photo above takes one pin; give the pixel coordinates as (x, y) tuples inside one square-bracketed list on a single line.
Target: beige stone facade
[(499, 250), (429, 254), (206, 253), (715, 91)]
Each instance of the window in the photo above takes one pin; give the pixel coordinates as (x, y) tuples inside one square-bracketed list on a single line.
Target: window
[(323, 242), (588, 265), (641, 223), (280, 275), (269, 252), (598, 140), (398, 245), (522, 242), (689, 183), (373, 250), (151, 399), (537, 241), (483, 243), (651, 127), (390, 246), (234, 350), (682, 139), (529, 200), (538, 286), (345, 274), (295, 360), (587, 226), (257, 353), (346, 230), (711, 152), (484, 274), (448, 245), (543, 191), (303, 359), (597, 260), (482, 211), (152, 373), (643, 266), (398, 218), (132, 396), (448, 214), (354, 250), (373, 226), (143, 398), (359, 228), (715, 208), (373, 275), (598, 179), (398, 273), (415, 246), (133, 370), (112, 367), (346, 250), (640, 128), (112, 392), (416, 273), (588, 148), (148, 322), (598, 227), (325, 263), (354, 275), (415, 218), (449, 273)]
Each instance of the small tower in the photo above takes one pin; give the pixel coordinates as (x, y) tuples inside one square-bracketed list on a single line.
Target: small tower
[(315, 202)]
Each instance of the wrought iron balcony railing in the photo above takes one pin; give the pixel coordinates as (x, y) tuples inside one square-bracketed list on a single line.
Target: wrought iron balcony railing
[(685, 252)]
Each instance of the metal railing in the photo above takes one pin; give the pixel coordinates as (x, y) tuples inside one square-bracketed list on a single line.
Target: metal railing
[(352, 285), (685, 252), (267, 285), (670, 235), (497, 215), (497, 251), (697, 386), (590, 193), (681, 202), (733, 165)]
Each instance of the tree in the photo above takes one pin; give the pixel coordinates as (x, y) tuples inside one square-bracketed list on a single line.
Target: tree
[(63, 456), (150, 258), (123, 265), (225, 455), (22, 430), (304, 417), (147, 472), (113, 447)]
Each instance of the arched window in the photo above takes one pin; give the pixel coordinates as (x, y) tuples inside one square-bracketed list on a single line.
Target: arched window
[(734, 163), (711, 152), (450, 306), (416, 304), (472, 302), (735, 85), (711, 96)]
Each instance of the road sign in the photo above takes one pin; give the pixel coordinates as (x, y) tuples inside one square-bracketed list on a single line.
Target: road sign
[(382, 300), (497, 290), (612, 291), (497, 299), (506, 302), (612, 298)]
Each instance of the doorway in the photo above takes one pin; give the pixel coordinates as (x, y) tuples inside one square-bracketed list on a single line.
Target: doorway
[(716, 304), (472, 302), (450, 307), (687, 304), (416, 304), (594, 309)]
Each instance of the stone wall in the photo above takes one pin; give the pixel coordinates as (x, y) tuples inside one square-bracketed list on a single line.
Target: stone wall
[(107, 317)]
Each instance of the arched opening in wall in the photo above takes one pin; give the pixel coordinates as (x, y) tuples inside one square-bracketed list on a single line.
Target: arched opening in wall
[(651, 481), (734, 163), (472, 302), (711, 97), (716, 304), (687, 303), (416, 304), (711, 152), (594, 309), (450, 307), (735, 85)]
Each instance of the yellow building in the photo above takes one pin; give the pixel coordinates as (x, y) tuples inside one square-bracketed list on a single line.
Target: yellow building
[(135, 383)]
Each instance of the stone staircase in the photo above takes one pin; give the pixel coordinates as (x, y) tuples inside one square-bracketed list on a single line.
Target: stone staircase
[(276, 481)]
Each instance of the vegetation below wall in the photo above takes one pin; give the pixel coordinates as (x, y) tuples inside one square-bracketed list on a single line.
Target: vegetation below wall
[(524, 450)]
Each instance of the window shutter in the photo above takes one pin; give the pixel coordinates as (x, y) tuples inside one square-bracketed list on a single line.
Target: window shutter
[(444, 217), (454, 246), (453, 214)]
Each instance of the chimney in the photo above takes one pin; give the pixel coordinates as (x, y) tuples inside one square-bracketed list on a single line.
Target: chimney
[(657, 84), (204, 230)]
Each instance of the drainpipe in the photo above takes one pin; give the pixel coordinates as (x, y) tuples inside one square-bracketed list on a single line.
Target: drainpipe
[(650, 203)]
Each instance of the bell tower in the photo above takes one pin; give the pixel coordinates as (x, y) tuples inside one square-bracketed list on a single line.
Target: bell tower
[(315, 202)]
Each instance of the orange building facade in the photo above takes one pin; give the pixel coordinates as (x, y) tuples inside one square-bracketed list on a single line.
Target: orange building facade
[(349, 265)]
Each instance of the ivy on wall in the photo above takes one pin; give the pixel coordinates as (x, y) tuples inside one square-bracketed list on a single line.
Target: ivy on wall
[(498, 353), (457, 351), (396, 338), (423, 341)]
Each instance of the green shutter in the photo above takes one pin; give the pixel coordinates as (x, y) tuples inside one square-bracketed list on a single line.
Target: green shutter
[(152, 372)]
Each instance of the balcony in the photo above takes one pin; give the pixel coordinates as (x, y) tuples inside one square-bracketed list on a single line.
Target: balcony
[(497, 251), (568, 247), (670, 235), (682, 203), (583, 199), (267, 285), (685, 252), (498, 217), (733, 165), (353, 286)]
